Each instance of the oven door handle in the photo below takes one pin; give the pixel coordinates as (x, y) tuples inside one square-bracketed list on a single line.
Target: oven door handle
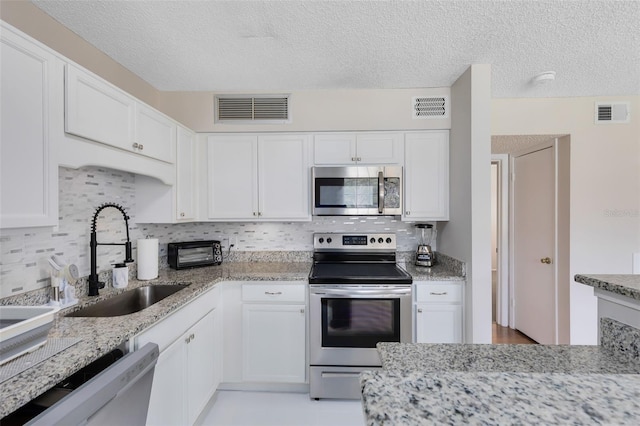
[(351, 292)]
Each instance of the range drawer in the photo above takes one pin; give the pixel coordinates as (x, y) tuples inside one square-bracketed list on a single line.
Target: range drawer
[(274, 293), (439, 293)]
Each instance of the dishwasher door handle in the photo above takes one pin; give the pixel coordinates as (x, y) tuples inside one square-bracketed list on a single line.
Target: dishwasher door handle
[(89, 404)]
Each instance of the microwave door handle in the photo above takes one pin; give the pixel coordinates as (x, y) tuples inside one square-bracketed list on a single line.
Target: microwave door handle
[(380, 192)]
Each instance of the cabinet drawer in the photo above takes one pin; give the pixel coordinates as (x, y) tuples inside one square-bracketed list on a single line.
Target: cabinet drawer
[(273, 293), (435, 293)]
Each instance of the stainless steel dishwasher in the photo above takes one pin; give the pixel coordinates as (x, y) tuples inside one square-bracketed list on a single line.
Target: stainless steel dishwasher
[(119, 395)]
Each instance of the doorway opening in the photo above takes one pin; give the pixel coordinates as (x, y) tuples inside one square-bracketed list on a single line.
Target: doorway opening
[(503, 256)]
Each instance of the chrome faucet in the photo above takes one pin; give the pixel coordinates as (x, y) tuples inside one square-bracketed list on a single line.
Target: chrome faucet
[(94, 284)]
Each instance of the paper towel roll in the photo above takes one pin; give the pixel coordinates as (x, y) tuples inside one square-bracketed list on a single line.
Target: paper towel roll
[(148, 259)]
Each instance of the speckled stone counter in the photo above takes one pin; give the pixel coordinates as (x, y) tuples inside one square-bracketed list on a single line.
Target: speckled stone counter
[(101, 335), (435, 273), (507, 384), (422, 357), (393, 398), (624, 285)]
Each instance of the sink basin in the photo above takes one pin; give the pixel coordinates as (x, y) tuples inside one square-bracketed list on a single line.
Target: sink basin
[(128, 302)]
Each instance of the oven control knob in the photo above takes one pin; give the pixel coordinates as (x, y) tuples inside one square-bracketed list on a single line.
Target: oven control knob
[(372, 240), (321, 240), (388, 240), (328, 240), (380, 240)]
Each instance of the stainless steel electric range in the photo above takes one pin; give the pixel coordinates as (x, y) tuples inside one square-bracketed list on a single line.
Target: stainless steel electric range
[(358, 296)]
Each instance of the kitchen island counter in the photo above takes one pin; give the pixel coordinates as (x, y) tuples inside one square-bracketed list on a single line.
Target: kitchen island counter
[(99, 336), (507, 384), (627, 285)]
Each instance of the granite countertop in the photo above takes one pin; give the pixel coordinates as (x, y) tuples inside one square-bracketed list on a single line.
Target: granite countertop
[(393, 398), (99, 336), (423, 357), (624, 285), (437, 272), (507, 384)]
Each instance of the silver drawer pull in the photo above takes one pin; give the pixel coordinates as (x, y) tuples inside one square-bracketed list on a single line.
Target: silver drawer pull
[(273, 293), (419, 310), (433, 293)]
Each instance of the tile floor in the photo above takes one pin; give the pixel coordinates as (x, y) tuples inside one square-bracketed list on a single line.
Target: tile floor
[(239, 408)]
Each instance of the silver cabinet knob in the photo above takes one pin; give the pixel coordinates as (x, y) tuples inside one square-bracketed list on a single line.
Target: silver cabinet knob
[(419, 310), (407, 213), (302, 311), (135, 145), (141, 147)]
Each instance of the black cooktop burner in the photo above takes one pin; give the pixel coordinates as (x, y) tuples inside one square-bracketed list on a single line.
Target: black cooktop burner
[(358, 273)]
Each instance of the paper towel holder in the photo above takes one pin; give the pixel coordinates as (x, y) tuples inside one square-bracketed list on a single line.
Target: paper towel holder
[(94, 284)]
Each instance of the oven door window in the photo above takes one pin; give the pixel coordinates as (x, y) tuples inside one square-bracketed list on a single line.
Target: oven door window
[(359, 323)]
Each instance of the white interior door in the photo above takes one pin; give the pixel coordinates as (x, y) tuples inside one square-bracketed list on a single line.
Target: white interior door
[(534, 245)]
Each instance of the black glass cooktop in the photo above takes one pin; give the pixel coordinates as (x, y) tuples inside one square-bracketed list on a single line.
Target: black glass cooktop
[(358, 273)]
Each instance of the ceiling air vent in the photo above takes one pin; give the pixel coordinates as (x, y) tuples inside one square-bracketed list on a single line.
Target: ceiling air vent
[(258, 109), (430, 107), (612, 112)]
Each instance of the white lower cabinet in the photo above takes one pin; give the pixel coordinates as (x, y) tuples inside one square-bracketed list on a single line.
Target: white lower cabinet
[(188, 369), (273, 343), (438, 312), (274, 332)]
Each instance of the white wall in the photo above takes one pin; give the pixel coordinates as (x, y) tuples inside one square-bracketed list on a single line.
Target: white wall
[(315, 110), (605, 188), (467, 235)]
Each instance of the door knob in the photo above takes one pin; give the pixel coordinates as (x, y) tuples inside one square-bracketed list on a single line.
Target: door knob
[(546, 260)]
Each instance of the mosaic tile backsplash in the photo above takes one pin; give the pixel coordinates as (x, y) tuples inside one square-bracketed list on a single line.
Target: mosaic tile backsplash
[(24, 252)]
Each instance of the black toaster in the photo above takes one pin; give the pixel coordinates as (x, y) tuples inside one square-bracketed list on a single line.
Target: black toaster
[(194, 254)]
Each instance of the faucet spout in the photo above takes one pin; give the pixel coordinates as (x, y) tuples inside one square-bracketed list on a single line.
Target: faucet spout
[(94, 283)]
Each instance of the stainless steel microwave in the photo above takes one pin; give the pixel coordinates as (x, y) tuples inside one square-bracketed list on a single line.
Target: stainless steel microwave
[(357, 190)]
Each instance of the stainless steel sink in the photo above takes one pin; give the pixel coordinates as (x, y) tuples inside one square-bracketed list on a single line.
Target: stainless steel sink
[(128, 302)]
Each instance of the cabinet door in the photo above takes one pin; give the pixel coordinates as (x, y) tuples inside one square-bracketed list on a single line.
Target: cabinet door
[(233, 183), (334, 148), (201, 362), (155, 134), (438, 323), (283, 177), (185, 175), (273, 343), (379, 148), (167, 402), (426, 172), (31, 112), (98, 111)]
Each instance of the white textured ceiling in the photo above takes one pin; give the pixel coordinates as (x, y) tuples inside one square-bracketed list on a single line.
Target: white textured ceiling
[(594, 46)]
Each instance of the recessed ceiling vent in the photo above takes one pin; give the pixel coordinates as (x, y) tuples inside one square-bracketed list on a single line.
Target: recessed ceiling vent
[(258, 109), (612, 112), (430, 107)]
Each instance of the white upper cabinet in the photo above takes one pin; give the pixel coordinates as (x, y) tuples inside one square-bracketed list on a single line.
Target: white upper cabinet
[(233, 183), (157, 202), (155, 134), (99, 111), (31, 120), (426, 172), (283, 175), (255, 177), (358, 148), (186, 178)]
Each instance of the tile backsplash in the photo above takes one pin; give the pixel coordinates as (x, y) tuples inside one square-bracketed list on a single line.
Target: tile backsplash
[(24, 251)]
